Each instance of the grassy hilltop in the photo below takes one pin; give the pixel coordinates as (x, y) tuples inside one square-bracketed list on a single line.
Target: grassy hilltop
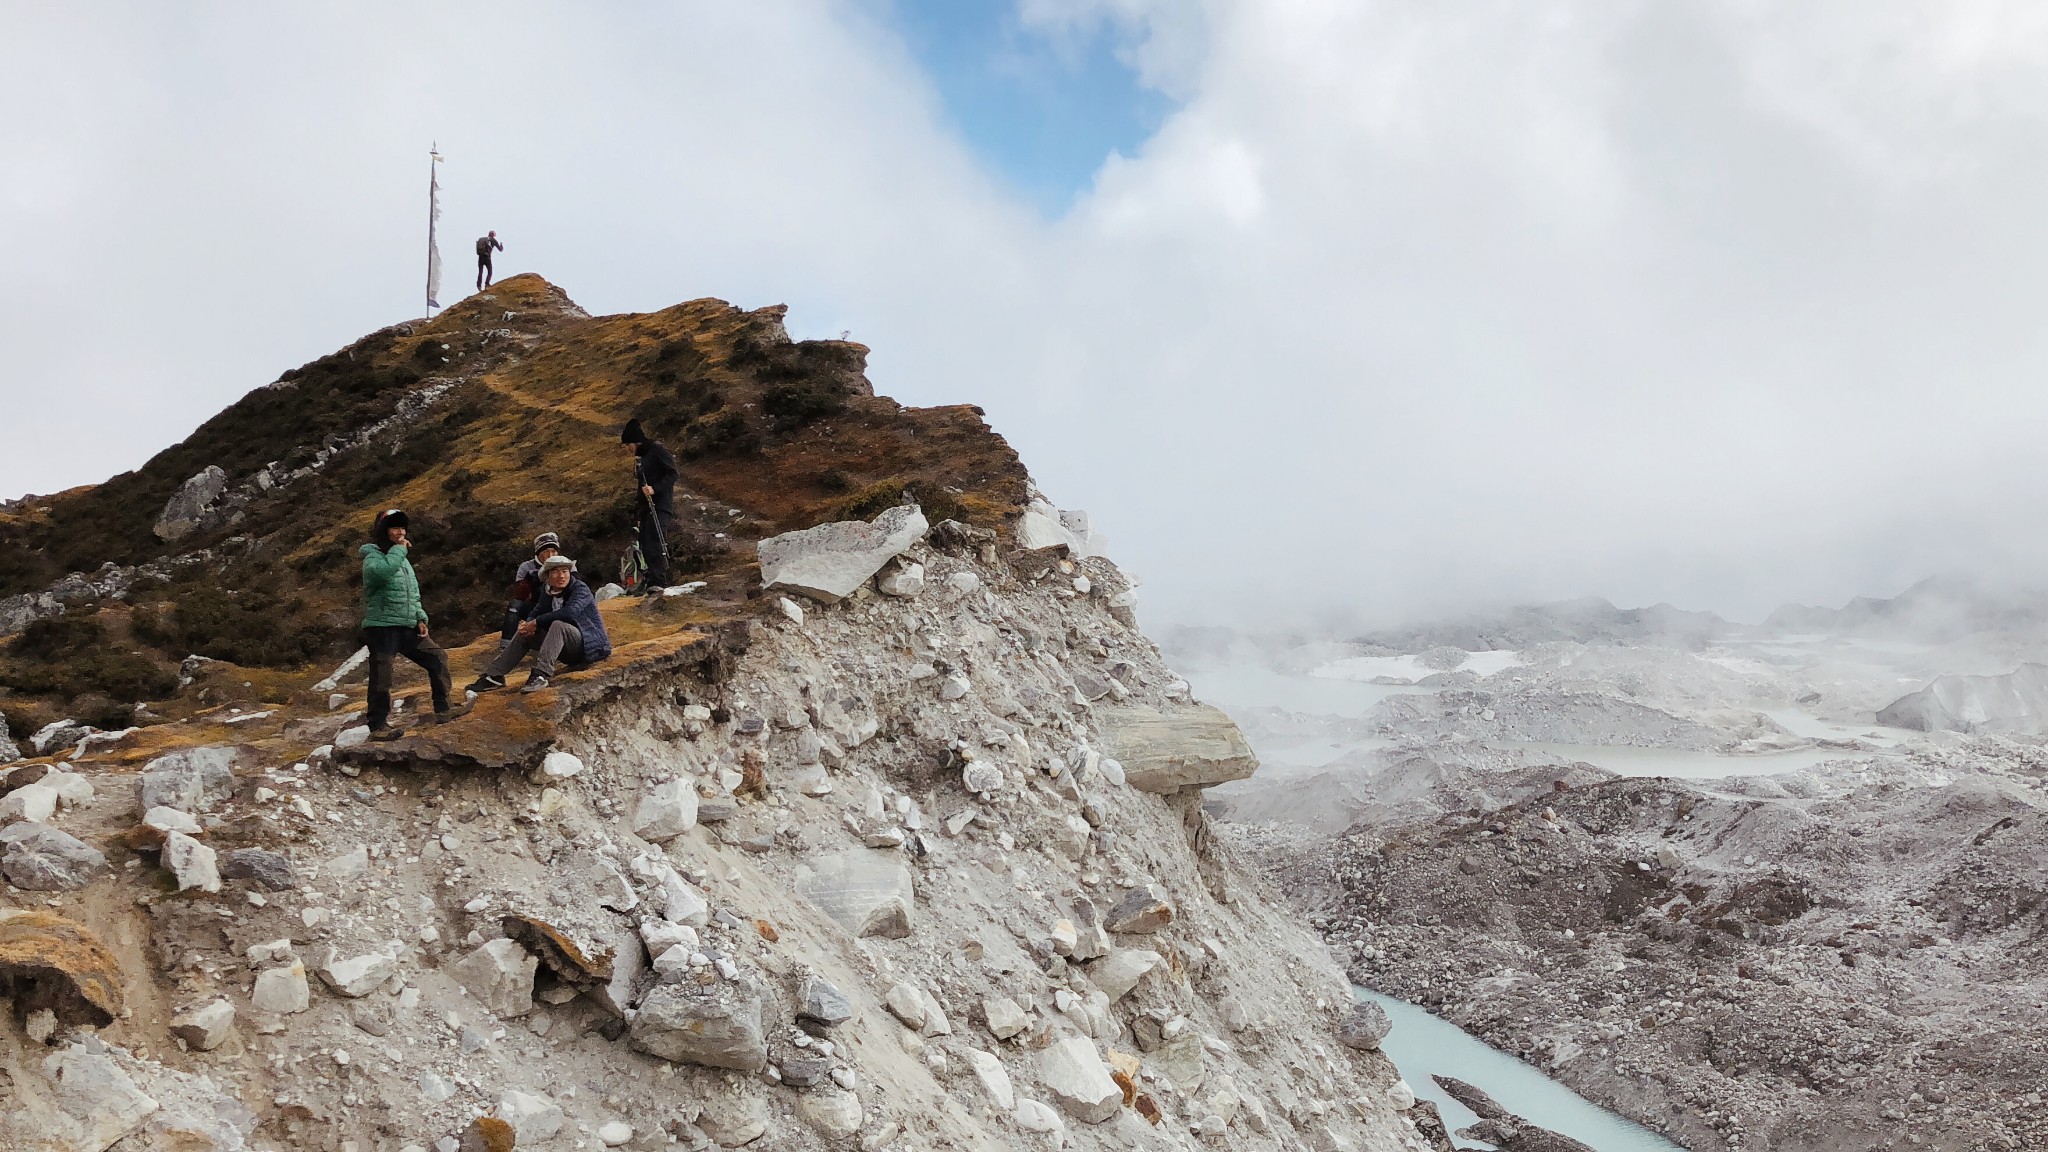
[(492, 422)]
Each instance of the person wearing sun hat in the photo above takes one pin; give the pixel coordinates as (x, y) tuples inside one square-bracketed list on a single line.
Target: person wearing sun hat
[(563, 628)]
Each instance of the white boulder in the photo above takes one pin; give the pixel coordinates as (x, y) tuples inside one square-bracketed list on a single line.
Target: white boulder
[(830, 561), (282, 990), (995, 1079), (98, 1102), (35, 803), (665, 811), (533, 1118), (499, 975), (1191, 746), (206, 1027), (1074, 1074), (905, 579), (194, 864), (1119, 972), (866, 892), (1004, 1017), (170, 820), (836, 1115), (357, 976)]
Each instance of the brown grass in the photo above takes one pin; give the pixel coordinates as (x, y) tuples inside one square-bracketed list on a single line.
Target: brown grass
[(526, 442)]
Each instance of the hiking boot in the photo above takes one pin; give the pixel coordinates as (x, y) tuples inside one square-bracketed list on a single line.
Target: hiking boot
[(534, 683), (388, 732), (485, 683), (446, 714)]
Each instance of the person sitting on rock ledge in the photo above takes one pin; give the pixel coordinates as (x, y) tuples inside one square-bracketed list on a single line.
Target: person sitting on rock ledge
[(526, 582), (395, 623), (563, 624)]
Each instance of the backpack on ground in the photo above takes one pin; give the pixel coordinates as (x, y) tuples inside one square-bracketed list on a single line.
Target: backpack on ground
[(632, 567)]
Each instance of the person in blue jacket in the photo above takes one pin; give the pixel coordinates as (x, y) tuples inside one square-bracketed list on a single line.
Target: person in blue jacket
[(562, 629)]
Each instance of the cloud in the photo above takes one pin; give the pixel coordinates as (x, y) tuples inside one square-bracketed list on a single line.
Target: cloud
[(1404, 305)]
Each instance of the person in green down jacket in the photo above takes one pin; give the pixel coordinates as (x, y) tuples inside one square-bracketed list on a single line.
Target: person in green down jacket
[(394, 623)]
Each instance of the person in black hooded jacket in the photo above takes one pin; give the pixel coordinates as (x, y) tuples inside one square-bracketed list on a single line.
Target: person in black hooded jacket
[(655, 474)]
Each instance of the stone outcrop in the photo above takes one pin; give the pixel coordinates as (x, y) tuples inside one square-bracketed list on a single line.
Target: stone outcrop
[(1168, 749), (828, 562), (2015, 702), (205, 1027), (40, 858), (1365, 1027), (189, 779), (717, 1028), (533, 1119), (51, 963), (865, 892), (500, 976), (187, 508), (1044, 526), (97, 1102), (1074, 1074)]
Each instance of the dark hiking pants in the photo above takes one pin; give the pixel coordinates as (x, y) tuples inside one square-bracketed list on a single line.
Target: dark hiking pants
[(653, 547), (483, 272), (387, 643), (513, 616), (558, 643)]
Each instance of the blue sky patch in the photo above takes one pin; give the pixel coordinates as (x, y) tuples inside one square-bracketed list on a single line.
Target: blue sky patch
[(1041, 111)]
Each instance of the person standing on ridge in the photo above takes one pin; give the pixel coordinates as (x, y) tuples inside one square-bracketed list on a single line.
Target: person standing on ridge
[(654, 472), (485, 244), (394, 622)]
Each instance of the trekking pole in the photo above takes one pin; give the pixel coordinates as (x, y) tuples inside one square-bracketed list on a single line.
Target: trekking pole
[(654, 518)]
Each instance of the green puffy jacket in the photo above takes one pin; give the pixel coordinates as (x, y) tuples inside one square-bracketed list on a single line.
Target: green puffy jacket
[(391, 593)]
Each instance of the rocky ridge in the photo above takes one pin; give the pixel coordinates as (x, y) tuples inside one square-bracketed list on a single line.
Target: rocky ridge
[(915, 862)]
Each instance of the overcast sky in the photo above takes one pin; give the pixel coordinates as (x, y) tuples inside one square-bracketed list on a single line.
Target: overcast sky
[(1319, 306)]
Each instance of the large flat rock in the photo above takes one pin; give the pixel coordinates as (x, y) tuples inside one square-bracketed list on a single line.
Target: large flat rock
[(717, 1027), (189, 779), (868, 893), (1191, 746), (829, 561), (511, 731)]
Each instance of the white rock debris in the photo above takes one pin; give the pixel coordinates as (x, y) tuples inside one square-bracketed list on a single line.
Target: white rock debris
[(926, 865)]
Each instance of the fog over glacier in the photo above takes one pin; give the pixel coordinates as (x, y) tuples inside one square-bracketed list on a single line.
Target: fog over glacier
[(1402, 307)]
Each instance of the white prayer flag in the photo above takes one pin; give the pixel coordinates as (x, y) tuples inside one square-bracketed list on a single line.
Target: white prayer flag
[(433, 240)]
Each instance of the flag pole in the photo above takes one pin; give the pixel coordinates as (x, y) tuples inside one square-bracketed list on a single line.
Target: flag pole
[(433, 218)]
